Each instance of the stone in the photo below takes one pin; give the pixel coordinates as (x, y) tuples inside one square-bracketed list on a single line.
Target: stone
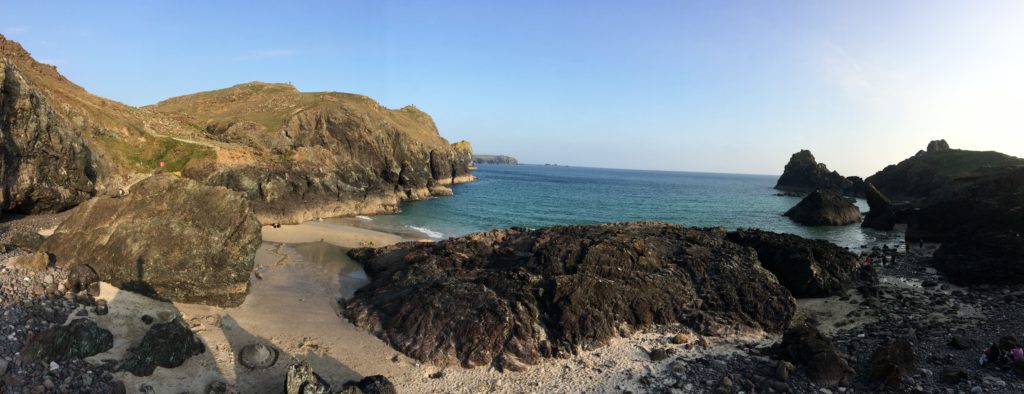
[(682, 339), (82, 277), (508, 298), (303, 380), (165, 345), (78, 339), (658, 354), (37, 261), (805, 346), (938, 146), (892, 362), (375, 384), (808, 268), (101, 307), (258, 356), (170, 239), (953, 376), (824, 207), (783, 370)]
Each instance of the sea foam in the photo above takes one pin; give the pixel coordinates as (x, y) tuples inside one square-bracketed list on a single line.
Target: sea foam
[(428, 232)]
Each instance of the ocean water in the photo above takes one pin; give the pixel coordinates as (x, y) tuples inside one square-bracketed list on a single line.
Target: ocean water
[(536, 196)]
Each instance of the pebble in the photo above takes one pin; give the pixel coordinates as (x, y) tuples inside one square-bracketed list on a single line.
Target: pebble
[(54, 366)]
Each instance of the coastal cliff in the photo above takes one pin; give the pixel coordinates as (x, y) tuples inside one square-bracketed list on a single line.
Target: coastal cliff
[(495, 159), (803, 174), (296, 156)]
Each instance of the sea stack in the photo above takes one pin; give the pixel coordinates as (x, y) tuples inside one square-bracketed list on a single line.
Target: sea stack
[(803, 174), (881, 216), (824, 207)]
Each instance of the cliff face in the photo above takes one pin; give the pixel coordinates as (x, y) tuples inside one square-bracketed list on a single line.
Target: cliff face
[(495, 159), (928, 171), (296, 155), (803, 174), (309, 155)]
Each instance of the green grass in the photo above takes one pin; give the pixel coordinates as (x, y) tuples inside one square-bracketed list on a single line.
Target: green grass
[(146, 156)]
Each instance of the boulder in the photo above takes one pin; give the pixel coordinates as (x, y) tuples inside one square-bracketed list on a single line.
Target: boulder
[(303, 380), (804, 174), (938, 146), (807, 267), (170, 238), (891, 362), (805, 346), (79, 339), (376, 384), (824, 207), (508, 298), (881, 216), (37, 261), (165, 345)]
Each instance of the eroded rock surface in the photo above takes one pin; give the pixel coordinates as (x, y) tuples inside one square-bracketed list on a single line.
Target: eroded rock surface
[(881, 216), (816, 354), (824, 207), (511, 297), (807, 267), (165, 345), (170, 238), (804, 174), (79, 339)]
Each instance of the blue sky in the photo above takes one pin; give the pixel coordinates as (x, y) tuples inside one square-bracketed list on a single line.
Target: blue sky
[(673, 85)]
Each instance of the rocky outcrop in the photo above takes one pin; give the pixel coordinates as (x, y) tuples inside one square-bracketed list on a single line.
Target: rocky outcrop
[(495, 159), (808, 268), (917, 177), (980, 222), (166, 345), (45, 166), (804, 174), (891, 363), (511, 297), (170, 238), (881, 216), (824, 207), (321, 154), (302, 379)]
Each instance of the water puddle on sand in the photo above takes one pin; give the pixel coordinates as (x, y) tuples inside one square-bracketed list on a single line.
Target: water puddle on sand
[(333, 260)]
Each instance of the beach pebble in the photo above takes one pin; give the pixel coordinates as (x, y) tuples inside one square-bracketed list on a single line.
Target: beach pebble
[(257, 356)]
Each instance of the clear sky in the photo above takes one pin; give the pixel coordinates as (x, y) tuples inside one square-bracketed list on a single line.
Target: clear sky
[(673, 85)]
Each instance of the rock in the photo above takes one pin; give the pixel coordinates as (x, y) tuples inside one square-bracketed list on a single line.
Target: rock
[(510, 297), (165, 345), (881, 216), (37, 261), (29, 240), (658, 354), (45, 164), (101, 307), (891, 362), (83, 277), (808, 268), (963, 343), (783, 370), (682, 339), (376, 384), (79, 339), (804, 174), (953, 376), (495, 159), (257, 356), (938, 146), (147, 319), (218, 387), (302, 380), (1017, 366), (3, 367), (920, 176), (170, 239), (824, 207), (806, 346)]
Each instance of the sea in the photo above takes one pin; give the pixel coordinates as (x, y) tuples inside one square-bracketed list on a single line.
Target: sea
[(535, 196)]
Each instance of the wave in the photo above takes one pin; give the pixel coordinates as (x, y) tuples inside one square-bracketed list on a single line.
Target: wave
[(428, 232), (361, 217)]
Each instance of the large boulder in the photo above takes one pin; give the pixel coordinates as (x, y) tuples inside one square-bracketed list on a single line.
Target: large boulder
[(510, 297), (166, 345), (891, 362), (170, 238), (938, 146), (881, 216), (822, 362), (807, 267), (824, 207), (803, 174), (79, 339)]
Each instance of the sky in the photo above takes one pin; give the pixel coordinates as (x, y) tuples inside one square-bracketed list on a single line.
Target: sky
[(716, 86)]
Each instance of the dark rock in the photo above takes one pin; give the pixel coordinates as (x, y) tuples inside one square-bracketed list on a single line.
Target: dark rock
[(808, 268), (938, 146), (953, 376), (165, 345), (170, 239), (824, 207), (511, 297), (83, 278), (302, 380), (147, 319), (658, 354), (79, 339), (891, 362), (101, 307), (918, 177), (258, 356), (804, 174), (376, 384), (45, 165), (806, 346), (1018, 367), (881, 216)]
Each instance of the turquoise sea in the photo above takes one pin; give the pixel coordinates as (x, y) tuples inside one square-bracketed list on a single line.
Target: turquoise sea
[(537, 196)]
